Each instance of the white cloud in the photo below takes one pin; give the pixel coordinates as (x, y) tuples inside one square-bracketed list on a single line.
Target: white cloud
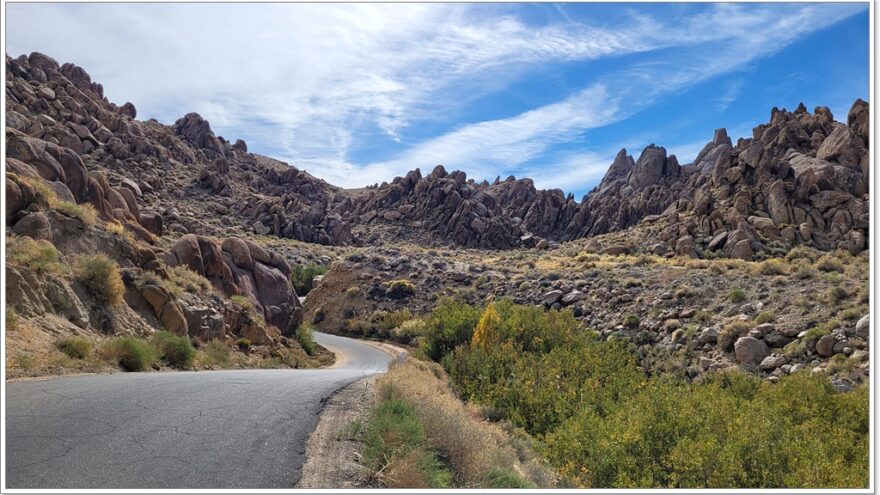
[(309, 82)]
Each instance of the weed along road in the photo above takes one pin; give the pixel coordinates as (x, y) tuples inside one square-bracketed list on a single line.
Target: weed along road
[(207, 429)]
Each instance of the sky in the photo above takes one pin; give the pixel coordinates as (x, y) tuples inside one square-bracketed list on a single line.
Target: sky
[(357, 94)]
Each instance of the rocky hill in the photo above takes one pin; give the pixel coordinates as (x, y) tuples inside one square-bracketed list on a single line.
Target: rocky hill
[(802, 179)]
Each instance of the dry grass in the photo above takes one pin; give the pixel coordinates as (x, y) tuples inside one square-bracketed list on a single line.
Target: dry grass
[(471, 446), (86, 213)]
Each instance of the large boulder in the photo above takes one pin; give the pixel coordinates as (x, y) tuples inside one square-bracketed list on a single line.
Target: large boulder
[(750, 351)]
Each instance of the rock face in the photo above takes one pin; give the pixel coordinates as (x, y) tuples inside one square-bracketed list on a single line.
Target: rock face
[(239, 267)]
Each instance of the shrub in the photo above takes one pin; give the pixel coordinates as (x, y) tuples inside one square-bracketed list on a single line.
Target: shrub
[(243, 344), (13, 320), (303, 277), (765, 317), (732, 331), (85, 213), (75, 347), (216, 352), (38, 255), (353, 291), (830, 263), (174, 350), (632, 321), (306, 338), (525, 285), (736, 295), (400, 289), (100, 274), (838, 294), (243, 302), (805, 271), (184, 279), (130, 353), (450, 325), (772, 267), (392, 320)]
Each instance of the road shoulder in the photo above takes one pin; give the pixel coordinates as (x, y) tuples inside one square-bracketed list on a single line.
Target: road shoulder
[(332, 450)]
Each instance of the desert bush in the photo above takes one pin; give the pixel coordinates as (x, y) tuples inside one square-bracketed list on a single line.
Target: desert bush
[(353, 291), (450, 325), (75, 347), (174, 350), (391, 320), (732, 331), (216, 352), (830, 263), (736, 295), (303, 277), (38, 255), (603, 423), (632, 321), (674, 434), (130, 353), (772, 267), (100, 274), (85, 213), (400, 289), (838, 294), (184, 279), (765, 317), (306, 338), (243, 344)]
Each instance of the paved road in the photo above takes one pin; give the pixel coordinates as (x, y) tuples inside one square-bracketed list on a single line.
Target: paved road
[(206, 429)]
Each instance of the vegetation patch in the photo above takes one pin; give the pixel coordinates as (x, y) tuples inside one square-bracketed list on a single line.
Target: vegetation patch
[(303, 277), (174, 350), (100, 274), (75, 347), (130, 353)]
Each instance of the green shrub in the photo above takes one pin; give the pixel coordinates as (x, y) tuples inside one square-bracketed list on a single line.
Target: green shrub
[(174, 350), (216, 353), (765, 317), (503, 478), (75, 347), (632, 321), (100, 274), (38, 255), (306, 338), (353, 291), (838, 294), (450, 325), (395, 443), (400, 289), (394, 319), (130, 353), (243, 344), (303, 277), (732, 331), (772, 267), (603, 423), (736, 295)]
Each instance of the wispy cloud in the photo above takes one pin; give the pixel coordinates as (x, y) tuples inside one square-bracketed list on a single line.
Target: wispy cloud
[(311, 83)]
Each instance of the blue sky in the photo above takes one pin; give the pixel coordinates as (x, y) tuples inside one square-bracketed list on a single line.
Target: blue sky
[(357, 94)]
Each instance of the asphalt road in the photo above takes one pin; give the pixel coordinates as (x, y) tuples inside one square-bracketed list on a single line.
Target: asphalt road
[(206, 429)]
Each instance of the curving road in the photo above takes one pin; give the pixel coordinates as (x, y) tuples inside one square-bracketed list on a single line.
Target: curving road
[(206, 429)]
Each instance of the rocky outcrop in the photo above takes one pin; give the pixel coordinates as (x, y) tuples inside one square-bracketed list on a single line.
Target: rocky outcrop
[(239, 267)]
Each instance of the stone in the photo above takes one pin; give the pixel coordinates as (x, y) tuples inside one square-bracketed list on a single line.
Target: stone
[(863, 326), (552, 297), (573, 297), (750, 351), (825, 345), (773, 361), (35, 225)]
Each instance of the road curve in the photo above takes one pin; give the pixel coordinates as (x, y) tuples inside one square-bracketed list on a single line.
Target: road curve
[(205, 429)]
